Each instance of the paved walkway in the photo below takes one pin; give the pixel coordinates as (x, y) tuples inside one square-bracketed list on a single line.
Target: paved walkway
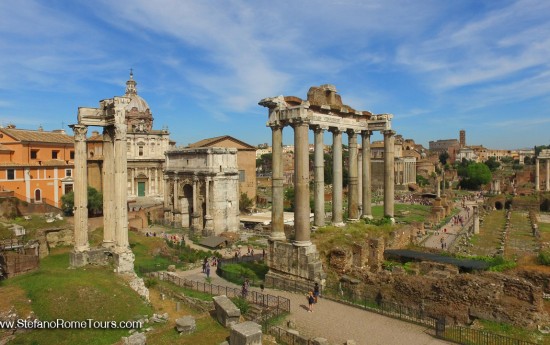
[(338, 322), (449, 236)]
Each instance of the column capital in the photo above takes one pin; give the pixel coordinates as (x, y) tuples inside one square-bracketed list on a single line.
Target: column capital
[(299, 122), (120, 131), (335, 130), (80, 132), (275, 126), (317, 128), (366, 133), (351, 131), (389, 132)]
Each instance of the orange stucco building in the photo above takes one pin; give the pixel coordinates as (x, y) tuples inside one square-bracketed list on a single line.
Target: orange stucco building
[(36, 165)]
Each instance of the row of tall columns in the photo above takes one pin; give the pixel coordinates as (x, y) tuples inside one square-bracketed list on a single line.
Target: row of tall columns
[(353, 200), (337, 178), (114, 188), (537, 175), (109, 223), (80, 190), (319, 176), (389, 178), (277, 203), (366, 187), (301, 184), (301, 175)]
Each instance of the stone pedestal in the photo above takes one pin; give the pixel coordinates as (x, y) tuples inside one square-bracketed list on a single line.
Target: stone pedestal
[(124, 261), (297, 263), (438, 211), (246, 333), (446, 205), (227, 312), (78, 259), (94, 256)]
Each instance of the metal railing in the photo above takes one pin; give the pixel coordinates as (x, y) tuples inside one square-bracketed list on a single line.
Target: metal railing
[(470, 336), (277, 304)]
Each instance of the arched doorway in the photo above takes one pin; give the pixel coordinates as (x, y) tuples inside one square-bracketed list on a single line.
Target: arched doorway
[(186, 206), (498, 205), (37, 195)]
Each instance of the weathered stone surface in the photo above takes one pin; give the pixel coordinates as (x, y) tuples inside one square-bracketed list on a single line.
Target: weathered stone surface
[(135, 339), (186, 324), (138, 285), (171, 268), (246, 333), (227, 312), (320, 341)]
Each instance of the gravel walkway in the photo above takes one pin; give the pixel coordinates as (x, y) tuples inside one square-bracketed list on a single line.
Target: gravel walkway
[(338, 322)]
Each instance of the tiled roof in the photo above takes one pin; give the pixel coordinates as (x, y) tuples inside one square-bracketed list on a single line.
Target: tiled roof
[(38, 136), (212, 141)]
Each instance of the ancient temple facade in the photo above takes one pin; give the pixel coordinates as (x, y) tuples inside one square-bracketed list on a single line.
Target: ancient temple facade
[(145, 149), (202, 189)]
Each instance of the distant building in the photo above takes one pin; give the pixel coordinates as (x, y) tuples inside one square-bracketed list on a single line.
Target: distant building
[(145, 145), (36, 165), (246, 160), (441, 146)]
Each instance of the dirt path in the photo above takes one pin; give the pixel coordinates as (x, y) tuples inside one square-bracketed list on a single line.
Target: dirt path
[(448, 237), (338, 322)]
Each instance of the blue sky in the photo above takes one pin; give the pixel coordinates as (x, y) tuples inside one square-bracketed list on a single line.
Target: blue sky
[(438, 66)]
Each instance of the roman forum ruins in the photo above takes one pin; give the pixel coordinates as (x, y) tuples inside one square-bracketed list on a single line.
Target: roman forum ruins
[(323, 110), (544, 155), (111, 116)]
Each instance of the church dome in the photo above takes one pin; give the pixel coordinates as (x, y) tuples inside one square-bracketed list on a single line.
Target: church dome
[(138, 113)]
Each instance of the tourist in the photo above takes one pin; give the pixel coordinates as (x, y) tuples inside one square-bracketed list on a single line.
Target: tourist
[(316, 291), (310, 300), (207, 270)]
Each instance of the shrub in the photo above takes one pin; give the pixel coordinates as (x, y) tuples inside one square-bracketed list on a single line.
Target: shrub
[(242, 304), (544, 258)]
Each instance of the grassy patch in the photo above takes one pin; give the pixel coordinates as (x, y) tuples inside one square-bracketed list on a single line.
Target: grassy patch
[(238, 272), (508, 330), (57, 292), (405, 213), (488, 240)]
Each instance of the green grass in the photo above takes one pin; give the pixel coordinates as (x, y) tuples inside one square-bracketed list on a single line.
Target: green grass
[(511, 331), (238, 272), (57, 292), (405, 213), (488, 239), (203, 296)]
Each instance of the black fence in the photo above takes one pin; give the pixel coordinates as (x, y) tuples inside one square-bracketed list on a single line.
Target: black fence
[(286, 337), (276, 304), (469, 336)]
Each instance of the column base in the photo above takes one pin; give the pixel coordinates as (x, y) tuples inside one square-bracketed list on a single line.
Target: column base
[(339, 224), (108, 244), (353, 220), (278, 236), (367, 216), (78, 259), (301, 243)]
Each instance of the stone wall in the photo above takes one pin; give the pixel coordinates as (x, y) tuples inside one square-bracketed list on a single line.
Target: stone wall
[(462, 298)]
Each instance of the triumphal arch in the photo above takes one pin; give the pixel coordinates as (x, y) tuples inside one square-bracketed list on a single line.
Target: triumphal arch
[(322, 111), (110, 115)]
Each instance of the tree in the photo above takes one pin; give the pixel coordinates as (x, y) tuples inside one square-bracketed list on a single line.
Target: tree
[(289, 196), (477, 174), (492, 163), (245, 203), (95, 202), (443, 157)]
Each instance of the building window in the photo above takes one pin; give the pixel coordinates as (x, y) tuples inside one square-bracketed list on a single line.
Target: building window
[(72, 155), (34, 154), (11, 174), (68, 172), (141, 150), (54, 154), (242, 175)]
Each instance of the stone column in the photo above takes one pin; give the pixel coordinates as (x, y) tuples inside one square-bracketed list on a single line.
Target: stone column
[(166, 194), (353, 210), (337, 176), (277, 199), (319, 162), (109, 222), (389, 177), (195, 215), (366, 180), (80, 190), (208, 223), (121, 189), (537, 178), (547, 175), (175, 203), (301, 184)]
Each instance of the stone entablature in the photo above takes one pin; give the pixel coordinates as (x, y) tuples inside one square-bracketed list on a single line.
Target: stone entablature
[(203, 186), (544, 155)]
